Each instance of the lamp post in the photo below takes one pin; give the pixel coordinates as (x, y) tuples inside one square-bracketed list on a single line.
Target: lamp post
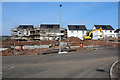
[(59, 30)]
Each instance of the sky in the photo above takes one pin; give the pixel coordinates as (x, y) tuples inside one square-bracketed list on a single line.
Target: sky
[(36, 13)]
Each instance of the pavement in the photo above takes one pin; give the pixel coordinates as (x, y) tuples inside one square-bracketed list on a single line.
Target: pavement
[(93, 64)]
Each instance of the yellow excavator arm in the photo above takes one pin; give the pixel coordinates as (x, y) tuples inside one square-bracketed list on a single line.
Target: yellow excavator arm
[(88, 37)]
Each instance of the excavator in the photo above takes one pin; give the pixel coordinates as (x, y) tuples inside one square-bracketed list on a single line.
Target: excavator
[(88, 37)]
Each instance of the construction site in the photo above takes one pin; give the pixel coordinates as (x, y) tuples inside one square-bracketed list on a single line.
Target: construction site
[(71, 44), (51, 39), (42, 32), (42, 42)]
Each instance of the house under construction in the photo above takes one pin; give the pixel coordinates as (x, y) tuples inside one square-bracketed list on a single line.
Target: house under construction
[(43, 32)]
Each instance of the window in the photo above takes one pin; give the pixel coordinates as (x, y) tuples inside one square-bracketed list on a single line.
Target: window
[(27, 32), (83, 32), (72, 31), (100, 35), (110, 31)]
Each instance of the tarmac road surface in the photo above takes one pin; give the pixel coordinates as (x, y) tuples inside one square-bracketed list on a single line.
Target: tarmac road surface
[(94, 64)]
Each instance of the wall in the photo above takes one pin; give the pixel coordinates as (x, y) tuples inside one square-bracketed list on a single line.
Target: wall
[(116, 35), (106, 33), (95, 34), (76, 33)]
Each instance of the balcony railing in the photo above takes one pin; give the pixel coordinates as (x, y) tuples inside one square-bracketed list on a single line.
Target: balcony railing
[(36, 37), (20, 38)]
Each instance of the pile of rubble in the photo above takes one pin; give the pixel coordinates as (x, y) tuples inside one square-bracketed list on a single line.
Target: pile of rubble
[(15, 52), (8, 52), (74, 41)]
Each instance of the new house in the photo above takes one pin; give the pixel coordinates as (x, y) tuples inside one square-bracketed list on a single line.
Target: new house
[(108, 31), (117, 33), (49, 32), (76, 31), (42, 32), (23, 32)]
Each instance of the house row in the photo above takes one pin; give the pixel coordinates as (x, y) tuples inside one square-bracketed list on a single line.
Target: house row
[(53, 31), (42, 32), (81, 30)]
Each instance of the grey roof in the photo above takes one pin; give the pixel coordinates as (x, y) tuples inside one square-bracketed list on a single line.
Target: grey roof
[(117, 30), (77, 27), (25, 27), (104, 27), (49, 26)]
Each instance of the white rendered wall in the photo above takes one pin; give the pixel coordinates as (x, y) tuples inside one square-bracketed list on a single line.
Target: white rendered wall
[(76, 33), (106, 33)]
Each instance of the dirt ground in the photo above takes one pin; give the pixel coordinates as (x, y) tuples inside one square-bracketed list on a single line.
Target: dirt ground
[(72, 40), (11, 43)]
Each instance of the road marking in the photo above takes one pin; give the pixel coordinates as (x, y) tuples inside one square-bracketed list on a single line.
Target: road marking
[(111, 69), (11, 67)]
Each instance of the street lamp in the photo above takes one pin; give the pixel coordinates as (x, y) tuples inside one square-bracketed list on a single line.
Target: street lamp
[(59, 30)]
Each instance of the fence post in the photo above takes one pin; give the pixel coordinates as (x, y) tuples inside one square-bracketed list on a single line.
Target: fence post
[(14, 49)]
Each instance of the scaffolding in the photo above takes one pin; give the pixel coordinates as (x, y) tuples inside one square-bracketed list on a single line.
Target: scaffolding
[(38, 34)]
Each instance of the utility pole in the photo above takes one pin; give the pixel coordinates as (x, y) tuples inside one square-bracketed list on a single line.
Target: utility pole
[(59, 30)]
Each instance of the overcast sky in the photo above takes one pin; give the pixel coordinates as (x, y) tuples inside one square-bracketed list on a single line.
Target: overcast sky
[(36, 13)]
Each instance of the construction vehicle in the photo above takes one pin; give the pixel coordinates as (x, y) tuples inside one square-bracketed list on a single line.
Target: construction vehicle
[(88, 36)]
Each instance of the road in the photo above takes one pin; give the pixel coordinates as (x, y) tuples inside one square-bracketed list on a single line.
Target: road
[(93, 64)]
